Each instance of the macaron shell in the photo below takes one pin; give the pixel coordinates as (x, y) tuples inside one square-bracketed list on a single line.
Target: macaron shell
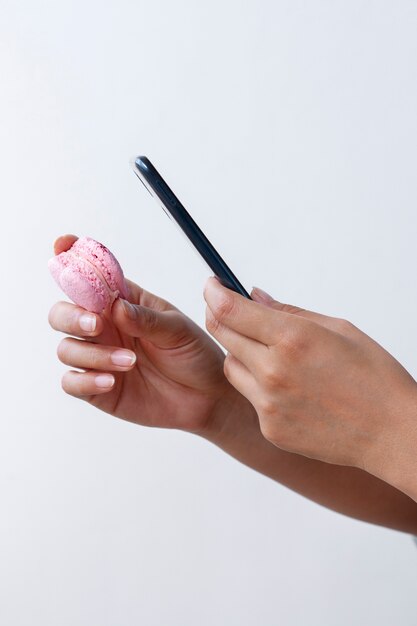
[(84, 291), (80, 282), (105, 262)]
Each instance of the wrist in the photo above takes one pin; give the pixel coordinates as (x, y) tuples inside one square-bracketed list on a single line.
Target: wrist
[(394, 459), (232, 415)]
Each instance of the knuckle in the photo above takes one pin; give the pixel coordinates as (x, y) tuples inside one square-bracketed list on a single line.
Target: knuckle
[(266, 409), (228, 367), (150, 320), (93, 357), (270, 375), (65, 384), (180, 326), (268, 428), (343, 326), (212, 324), (272, 427), (52, 316), (272, 431), (295, 341), (225, 307), (63, 350)]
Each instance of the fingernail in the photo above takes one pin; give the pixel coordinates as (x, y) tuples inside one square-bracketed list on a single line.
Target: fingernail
[(104, 381), (87, 322), (130, 310), (261, 296), (123, 358)]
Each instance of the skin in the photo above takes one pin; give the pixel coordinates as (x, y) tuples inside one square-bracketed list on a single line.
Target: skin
[(320, 386), (175, 376)]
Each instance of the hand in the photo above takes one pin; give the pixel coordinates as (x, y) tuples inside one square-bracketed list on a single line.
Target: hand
[(170, 372), (320, 387)]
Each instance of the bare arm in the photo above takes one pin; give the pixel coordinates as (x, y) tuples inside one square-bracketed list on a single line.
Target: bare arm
[(148, 363), (347, 490), (325, 390)]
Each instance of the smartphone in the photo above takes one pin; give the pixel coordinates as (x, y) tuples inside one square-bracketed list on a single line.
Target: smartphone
[(158, 188)]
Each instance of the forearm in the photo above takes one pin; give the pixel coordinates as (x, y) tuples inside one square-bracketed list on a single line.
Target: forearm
[(347, 490), (394, 459)]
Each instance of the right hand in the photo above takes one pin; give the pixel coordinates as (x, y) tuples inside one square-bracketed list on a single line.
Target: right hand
[(176, 379)]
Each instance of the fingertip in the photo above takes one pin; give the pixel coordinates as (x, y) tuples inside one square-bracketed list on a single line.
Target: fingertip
[(213, 279), (206, 284), (84, 385), (64, 243), (212, 283), (129, 310)]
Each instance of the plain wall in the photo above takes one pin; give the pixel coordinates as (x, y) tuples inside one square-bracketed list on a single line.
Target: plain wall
[(289, 130)]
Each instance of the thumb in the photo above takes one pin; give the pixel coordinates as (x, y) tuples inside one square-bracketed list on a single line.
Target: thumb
[(165, 329), (264, 298)]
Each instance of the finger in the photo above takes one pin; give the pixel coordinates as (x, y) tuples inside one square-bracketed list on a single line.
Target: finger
[(64, 243), (74, 320), (166, 329), (247, 350), (259, 295), (87, 384), (246, 317), (91, 356), (141, 296), (332, 323), (240, 377)]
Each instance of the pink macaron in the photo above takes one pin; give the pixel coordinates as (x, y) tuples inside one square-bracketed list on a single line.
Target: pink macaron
[(89, 274)]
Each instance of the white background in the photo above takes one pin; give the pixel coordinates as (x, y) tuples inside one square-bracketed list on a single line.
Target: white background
[(289, 131)]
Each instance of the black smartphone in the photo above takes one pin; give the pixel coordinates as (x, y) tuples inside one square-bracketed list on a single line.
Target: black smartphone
[(158, 188)]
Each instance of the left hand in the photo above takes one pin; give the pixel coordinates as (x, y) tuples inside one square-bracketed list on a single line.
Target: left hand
[(146, 362), (320, 387)]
